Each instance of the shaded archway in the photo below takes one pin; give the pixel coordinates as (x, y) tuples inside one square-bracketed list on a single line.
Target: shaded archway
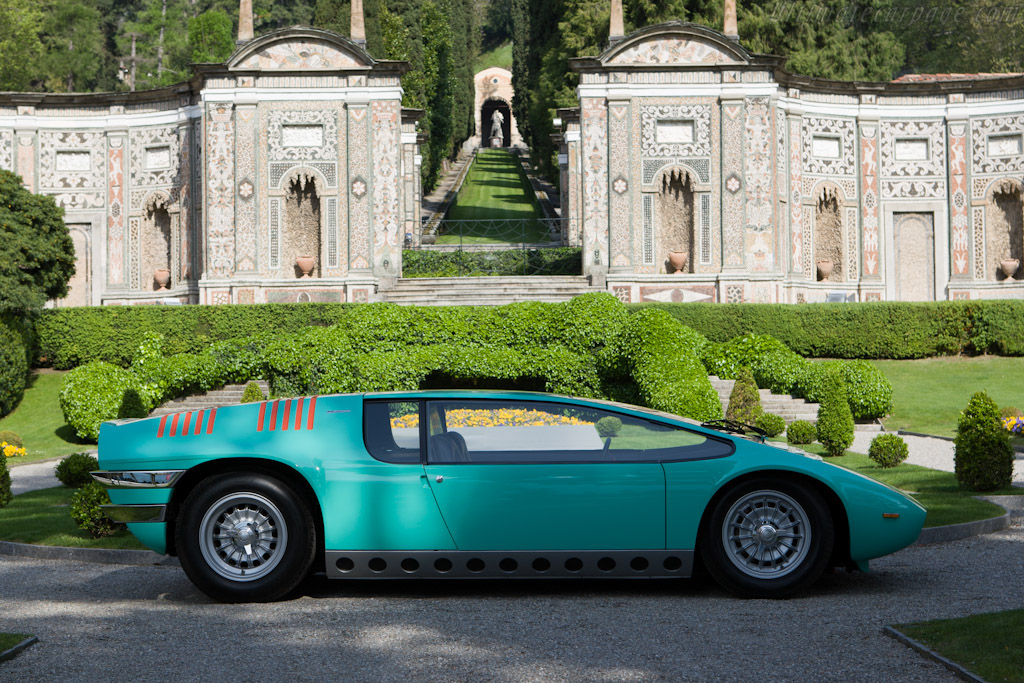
[(301, 235), (155, 243), (1005, 228), (675, 212), (486, 121), (828, 236)]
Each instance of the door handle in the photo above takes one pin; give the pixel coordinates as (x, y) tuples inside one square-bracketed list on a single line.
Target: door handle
[(439, 479)]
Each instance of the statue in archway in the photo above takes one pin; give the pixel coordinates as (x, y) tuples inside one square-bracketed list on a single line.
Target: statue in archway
[(497, 118)]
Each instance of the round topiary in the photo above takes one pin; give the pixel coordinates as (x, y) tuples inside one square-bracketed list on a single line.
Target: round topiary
[(87, 513), (12, 438), (983, 457), (5, 483), (74, 470), (744, 401), (1005, 411), (835, 421), (252, 393), (608, 426), (800, 432), (888, 450), (772, 425)]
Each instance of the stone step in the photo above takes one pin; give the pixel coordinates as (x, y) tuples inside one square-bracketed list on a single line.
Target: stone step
[(787, 407), (486, 291), (229, 395)]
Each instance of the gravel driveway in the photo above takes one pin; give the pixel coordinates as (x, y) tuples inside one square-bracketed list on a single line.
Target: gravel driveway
[(103, 622)]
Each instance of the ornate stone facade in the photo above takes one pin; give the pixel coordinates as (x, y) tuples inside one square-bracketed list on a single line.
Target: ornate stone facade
[(196, 178), (910, 189)]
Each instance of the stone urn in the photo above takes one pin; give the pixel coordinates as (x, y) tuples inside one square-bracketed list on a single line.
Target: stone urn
[(677, 261), (825, 269), (1009, 267), (305, 264), (428, 238), (162, 276)]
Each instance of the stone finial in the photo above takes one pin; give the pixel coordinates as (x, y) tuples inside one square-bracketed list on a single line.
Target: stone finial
[(357, 27), (244, 21), (729, 25), (615, 30)]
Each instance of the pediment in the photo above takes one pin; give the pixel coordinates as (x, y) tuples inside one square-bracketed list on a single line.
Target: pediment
[(675, 43), (300, 51)]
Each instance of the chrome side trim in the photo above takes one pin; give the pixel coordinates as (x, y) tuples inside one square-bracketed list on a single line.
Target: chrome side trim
[(519, 564), (138, 479), (135, 513)]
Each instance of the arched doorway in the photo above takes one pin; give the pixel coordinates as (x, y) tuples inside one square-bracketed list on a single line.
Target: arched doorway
[(487, 112), (675, 212), (156, 244), (828, 236), (301, 236), (1005, 228)]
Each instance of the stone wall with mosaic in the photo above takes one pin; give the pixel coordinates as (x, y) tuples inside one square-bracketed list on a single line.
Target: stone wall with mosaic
[(699, 171), (289, 173)]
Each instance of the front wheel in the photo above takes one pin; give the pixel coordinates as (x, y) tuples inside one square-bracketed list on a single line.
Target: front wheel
[(768, 538), (245, 538)]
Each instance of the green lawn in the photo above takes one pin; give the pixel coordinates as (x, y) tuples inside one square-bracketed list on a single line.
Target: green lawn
[(40, 423), (493, 193), (42, 518), (937, 491), (9, 640), (499, 56), (989, 645), (928, 394)]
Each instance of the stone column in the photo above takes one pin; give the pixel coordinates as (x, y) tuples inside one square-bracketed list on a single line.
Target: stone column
[(733, 218), (869, 190), (357, 27), (594, 130), (358, 189), (246, 191), (959, 198), (220, 191), (245, 21), (620, 147), (117, 208)]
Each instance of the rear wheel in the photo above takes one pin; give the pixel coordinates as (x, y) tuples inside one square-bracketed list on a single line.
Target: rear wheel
[(245, 538), (768, 538)]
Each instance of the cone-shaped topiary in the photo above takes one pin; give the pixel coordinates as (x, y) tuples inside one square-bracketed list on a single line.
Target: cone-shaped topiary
[(252, 393), (132, 405), (983, 458), (835, 421), (744, 401)]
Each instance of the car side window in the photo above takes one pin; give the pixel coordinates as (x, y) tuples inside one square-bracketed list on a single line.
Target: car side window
[(391, 430), (541, 432)]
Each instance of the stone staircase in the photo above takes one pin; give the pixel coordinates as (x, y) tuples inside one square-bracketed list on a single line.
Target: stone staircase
[(229, 395), (788, 407), (486, 291)]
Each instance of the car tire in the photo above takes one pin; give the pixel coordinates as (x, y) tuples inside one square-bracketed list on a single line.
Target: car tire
[(768, 538), (245, 538)]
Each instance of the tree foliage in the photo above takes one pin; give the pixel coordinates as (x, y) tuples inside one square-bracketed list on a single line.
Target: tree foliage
[(20, 46), (210, 37), (37, 257)]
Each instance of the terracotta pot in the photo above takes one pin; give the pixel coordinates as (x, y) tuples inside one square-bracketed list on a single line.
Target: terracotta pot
[(305, 264), (677, 261), (1009, 267), (162, 276), (825, 269)]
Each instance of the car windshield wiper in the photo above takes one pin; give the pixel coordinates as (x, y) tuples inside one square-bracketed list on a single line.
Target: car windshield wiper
[(734, 427)]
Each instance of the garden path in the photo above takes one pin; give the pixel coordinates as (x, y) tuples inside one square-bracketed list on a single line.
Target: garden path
[(932, 452)]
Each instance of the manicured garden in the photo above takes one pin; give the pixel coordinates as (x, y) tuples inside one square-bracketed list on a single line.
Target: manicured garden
[(40, 423), (495, 189), (988, 645), (43, 518)]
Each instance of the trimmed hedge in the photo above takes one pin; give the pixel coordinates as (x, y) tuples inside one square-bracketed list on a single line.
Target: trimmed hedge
[(92, 394), (866, 330), (438, 263), (16, 356)]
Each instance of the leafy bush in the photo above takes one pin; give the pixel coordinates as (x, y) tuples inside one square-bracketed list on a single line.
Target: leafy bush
[(835, 421), (744, 400), (74, 470), (1004, 412), (887, 450), (868, 391), (608, 426), (5, 483), (546, 261), (7, 436), (252, 393), (770, 424), (774, 366), (92, 394), (13, 368), (801, 432), (983, 458), (87, 513)]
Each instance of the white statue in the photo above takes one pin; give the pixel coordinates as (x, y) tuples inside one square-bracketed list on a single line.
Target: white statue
[(497, 118)]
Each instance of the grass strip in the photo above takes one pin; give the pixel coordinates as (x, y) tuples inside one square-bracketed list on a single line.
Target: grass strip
[(988, 645), (39, 421), (43, 518), (937, 491), (9, 640)]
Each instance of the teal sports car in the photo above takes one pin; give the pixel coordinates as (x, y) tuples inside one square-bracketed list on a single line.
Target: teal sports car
[(461, 484)]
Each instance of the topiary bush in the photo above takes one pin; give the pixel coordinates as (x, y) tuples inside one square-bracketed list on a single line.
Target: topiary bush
[(87, 513), (835, 421), (608, 426), (1004, 412), (744, 400), (983, 457), (74, 471), (770, 424), (800, 432), (92, 394), (13, 367), (252, 393), (868, 390), (7, 436), (887, 450), (5, 483)]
